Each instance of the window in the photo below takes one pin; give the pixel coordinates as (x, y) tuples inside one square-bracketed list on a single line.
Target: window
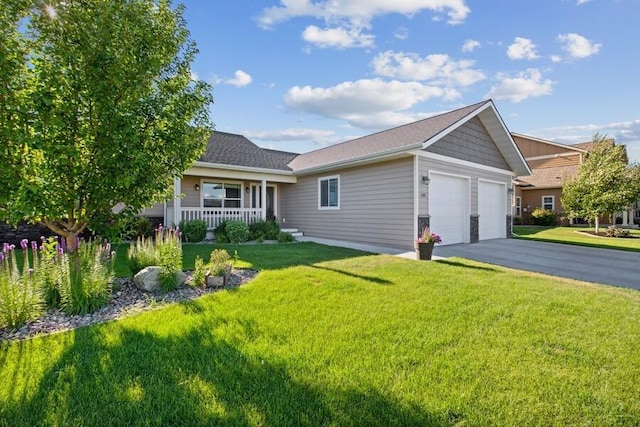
[(548, 203), (329, 193), (518, 205), (221, 195)]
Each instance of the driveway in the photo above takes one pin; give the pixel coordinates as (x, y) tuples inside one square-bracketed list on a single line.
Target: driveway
[(607, 266)]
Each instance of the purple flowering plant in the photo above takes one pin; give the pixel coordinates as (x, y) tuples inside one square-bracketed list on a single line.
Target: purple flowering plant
[(428, 236)]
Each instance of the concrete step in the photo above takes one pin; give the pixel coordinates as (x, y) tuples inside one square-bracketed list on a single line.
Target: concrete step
[(293, 231)]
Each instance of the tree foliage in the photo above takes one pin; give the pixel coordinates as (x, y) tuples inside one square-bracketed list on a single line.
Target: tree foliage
[(97, 108), (605, 183)]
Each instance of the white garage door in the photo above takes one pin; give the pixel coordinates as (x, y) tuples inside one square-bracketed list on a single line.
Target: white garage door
[(492, 208), (449, 207)]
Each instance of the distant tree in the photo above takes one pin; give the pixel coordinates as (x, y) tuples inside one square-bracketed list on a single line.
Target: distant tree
[(97, 108), (605, 183)]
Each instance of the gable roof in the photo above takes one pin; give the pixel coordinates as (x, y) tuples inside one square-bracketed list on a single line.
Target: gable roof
[(231, 149), (578, 148), (412, 136)]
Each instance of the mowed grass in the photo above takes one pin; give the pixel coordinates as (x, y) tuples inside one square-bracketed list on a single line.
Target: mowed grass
[(572, 235), (329, 336)]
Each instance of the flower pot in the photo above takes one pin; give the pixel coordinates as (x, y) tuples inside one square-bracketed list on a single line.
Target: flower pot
[(425, 250)]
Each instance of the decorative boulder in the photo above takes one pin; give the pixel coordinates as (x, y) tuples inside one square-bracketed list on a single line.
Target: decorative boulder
[(148, 279)]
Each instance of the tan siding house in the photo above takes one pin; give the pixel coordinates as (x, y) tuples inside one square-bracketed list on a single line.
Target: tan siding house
[(452, 172)]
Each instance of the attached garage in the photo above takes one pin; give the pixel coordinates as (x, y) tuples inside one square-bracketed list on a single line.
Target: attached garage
[(492, 208), (449, 207)]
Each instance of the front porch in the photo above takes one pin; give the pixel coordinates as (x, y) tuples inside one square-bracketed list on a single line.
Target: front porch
[(214, 216)]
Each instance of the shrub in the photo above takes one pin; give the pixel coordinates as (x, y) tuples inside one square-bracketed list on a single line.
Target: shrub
[(165, 252), (613, 231), (21, 298), (264, 230), (194, 230), (126, 228), (220, 233), (541, 216), (284, 237), (517, 220), (219, 262), (140, 226), (236, 231)]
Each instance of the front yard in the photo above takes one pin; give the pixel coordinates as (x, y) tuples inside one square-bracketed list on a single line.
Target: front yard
[(331, 336), (573, 235)]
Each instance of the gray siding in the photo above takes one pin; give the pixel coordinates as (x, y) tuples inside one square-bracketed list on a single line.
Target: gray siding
[(376, 205), (425, 165), (471, 142)]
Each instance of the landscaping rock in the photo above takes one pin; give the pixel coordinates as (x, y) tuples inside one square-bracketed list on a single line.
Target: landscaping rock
[(148, 279)]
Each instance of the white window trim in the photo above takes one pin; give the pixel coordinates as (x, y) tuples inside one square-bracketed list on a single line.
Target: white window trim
[(221, 181), (553, 202), (518, 207), (328, 178)]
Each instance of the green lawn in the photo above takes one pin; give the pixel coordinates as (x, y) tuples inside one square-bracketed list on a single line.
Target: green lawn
[(572, 235), (330, 336)]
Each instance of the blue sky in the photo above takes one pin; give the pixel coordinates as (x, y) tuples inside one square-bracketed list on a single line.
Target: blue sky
[(297, 75)]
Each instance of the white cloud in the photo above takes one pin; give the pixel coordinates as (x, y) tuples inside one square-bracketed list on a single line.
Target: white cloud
[(556, 58), (578, 46), (365, 103), (402, 33), (581, 2), (470, 45), (526, 84), (241, 79), (194, 76), (360, 11), (337, 37), (522, 48), (439, 69)]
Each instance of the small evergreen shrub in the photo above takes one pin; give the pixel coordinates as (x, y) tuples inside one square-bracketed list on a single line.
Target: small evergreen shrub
[(220, 233), (517, 220), (264, 230), (541, 216), (199, 273), (219, 262), (236, 231), (284, 237), (193, 231)]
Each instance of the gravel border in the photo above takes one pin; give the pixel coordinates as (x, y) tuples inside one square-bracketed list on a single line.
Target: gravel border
[(125, 301)]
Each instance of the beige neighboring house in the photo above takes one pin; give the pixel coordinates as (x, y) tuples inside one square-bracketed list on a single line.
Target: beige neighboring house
[(551, 163), (452, 172)]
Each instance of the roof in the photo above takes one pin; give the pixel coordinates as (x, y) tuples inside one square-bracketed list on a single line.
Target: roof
[(231, 149), (588, 146), (549, 177), (407, 136)]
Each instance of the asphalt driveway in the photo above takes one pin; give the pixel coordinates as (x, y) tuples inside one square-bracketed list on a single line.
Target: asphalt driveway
[(607, 266)]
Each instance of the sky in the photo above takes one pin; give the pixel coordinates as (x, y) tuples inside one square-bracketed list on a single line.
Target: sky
[(298, 75)]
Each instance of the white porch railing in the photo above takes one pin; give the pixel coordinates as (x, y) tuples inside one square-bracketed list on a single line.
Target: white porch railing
[(214, 216)]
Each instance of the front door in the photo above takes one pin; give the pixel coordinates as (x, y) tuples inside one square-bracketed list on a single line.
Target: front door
[(256, 200)]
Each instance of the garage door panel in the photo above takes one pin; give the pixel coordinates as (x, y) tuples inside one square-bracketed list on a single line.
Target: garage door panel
[(448, 207), (491, 210)]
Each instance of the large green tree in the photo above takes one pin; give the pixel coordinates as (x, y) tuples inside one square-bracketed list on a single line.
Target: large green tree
[(605, 183), (97, 108)]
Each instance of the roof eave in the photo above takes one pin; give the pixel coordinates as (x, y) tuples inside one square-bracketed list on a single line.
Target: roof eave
[(241, 168)]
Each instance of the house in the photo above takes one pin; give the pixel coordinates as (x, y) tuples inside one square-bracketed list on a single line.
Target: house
[(551, 163), (452, 172)]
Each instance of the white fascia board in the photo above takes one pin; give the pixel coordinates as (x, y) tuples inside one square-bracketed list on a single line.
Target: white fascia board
[(359, 161), (452, 160), (553, 156), (213, 170)]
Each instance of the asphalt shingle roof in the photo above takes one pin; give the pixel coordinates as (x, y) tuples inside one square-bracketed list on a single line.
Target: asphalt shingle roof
[(231, 149), (381, 142)]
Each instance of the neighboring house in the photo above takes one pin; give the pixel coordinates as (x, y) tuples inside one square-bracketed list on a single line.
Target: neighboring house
[(551, 163), (452, 172)]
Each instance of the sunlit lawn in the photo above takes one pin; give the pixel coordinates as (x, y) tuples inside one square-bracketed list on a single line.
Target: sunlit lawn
[(572, 235), (330, 336)]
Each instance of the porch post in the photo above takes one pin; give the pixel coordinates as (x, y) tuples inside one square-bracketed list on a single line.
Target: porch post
[(263, 198), (625, 217), (177, 208)]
